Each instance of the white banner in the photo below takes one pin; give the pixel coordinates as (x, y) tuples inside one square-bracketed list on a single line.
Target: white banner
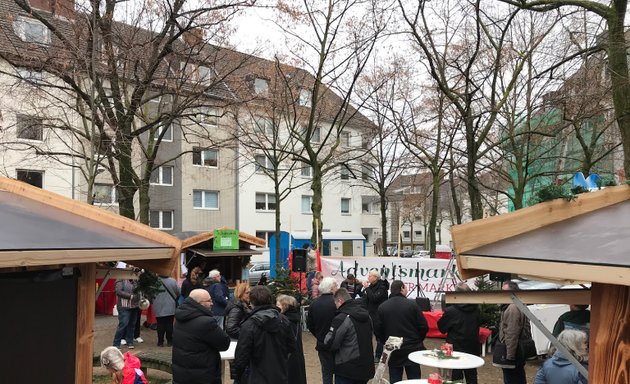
[(427, 272)]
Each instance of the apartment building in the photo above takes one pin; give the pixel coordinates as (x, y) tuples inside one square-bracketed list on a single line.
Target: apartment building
[(204, 175)]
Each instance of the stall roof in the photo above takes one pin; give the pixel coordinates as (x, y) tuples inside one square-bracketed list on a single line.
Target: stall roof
[(581, 240), (190, 239), (39, 227)]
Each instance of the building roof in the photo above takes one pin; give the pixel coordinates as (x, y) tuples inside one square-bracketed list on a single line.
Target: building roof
[(581, 240), (39, 228)]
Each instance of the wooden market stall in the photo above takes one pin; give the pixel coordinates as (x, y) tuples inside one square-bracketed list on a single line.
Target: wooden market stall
[(227, 250), (585, 240), (50, 247)]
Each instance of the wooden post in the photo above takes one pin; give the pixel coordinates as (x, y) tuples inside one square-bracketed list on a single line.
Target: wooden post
[(86, 303), (609, 356)]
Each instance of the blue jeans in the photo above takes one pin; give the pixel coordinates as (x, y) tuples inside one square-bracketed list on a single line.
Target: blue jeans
[(396, 373), (345, 380), (379, 351), (309, 282), (220, 320), (126, 325), (327, 361)]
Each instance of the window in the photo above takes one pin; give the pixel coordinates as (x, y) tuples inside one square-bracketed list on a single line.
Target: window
[(263, 126), (104, 194), (345, 206), (406, 234), (206, 199), (30, 128), (31, 30), (261, 86), (168, 135), (344, 172), (365, 142), (305, 98), (205, 74), (205, 157), (306, 171), (345, 139), (29, 75), (265, 202), (366, 172), (262, 163), (365, 207), (317, 135), (265, 235), (307, 201), (417, 233), (208, 116), (161, 219), (162, 176), (34, 178)]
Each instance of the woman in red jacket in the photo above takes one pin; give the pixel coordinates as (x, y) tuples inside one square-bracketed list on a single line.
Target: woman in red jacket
[(124, 369)]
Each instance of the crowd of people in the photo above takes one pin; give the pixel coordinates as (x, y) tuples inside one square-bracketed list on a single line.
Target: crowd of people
[(351, 323)]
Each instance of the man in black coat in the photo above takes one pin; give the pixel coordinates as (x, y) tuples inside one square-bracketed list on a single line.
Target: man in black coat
[(320, 314), (402, 317), (197, 341), (264, 344), (350, 338), (461, 324), (374, 294)]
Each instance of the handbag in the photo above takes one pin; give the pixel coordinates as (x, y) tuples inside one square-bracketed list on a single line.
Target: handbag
[(527, 349), (499, 353)]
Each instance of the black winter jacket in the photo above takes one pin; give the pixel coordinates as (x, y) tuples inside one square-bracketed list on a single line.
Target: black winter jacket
[(297, 366), (350, 338), (320, 314), (402, 317), (235, 313), (197, 341), (373, 296), (264, 345), (461, 324)]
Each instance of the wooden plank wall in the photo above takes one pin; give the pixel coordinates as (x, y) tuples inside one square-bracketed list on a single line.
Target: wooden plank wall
[(86, 302), (609, 358)]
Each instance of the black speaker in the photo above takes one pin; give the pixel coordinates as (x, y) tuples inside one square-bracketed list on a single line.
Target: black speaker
[(299, 260)]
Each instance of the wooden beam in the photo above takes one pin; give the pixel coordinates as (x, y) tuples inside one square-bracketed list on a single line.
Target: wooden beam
[(86, 291), (609, 353), (88, 211), (478, 233), (546, 296), (116, 273), (29, 258), (545, 269)]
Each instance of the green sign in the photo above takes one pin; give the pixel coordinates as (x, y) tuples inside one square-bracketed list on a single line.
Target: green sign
[(225, 239)]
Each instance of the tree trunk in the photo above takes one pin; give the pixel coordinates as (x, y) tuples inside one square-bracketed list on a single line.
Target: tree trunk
[(456, 208), (618, 63), (435, 208), (316, 208), (144, 202), (383, 224), (126, 188), (277, 228)]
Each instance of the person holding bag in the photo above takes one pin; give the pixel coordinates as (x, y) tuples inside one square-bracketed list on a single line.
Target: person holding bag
[(514, 336), (164, 306)]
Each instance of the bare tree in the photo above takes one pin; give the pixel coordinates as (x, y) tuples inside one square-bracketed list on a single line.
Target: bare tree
[(333, 41), (614, 14), (132, 83), (466, 55)]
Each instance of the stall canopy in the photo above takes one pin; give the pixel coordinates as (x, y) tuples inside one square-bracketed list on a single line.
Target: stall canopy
[(41, 228), (585, 240)]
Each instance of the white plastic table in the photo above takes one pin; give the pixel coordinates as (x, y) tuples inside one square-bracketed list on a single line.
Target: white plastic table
[(445, 366)]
